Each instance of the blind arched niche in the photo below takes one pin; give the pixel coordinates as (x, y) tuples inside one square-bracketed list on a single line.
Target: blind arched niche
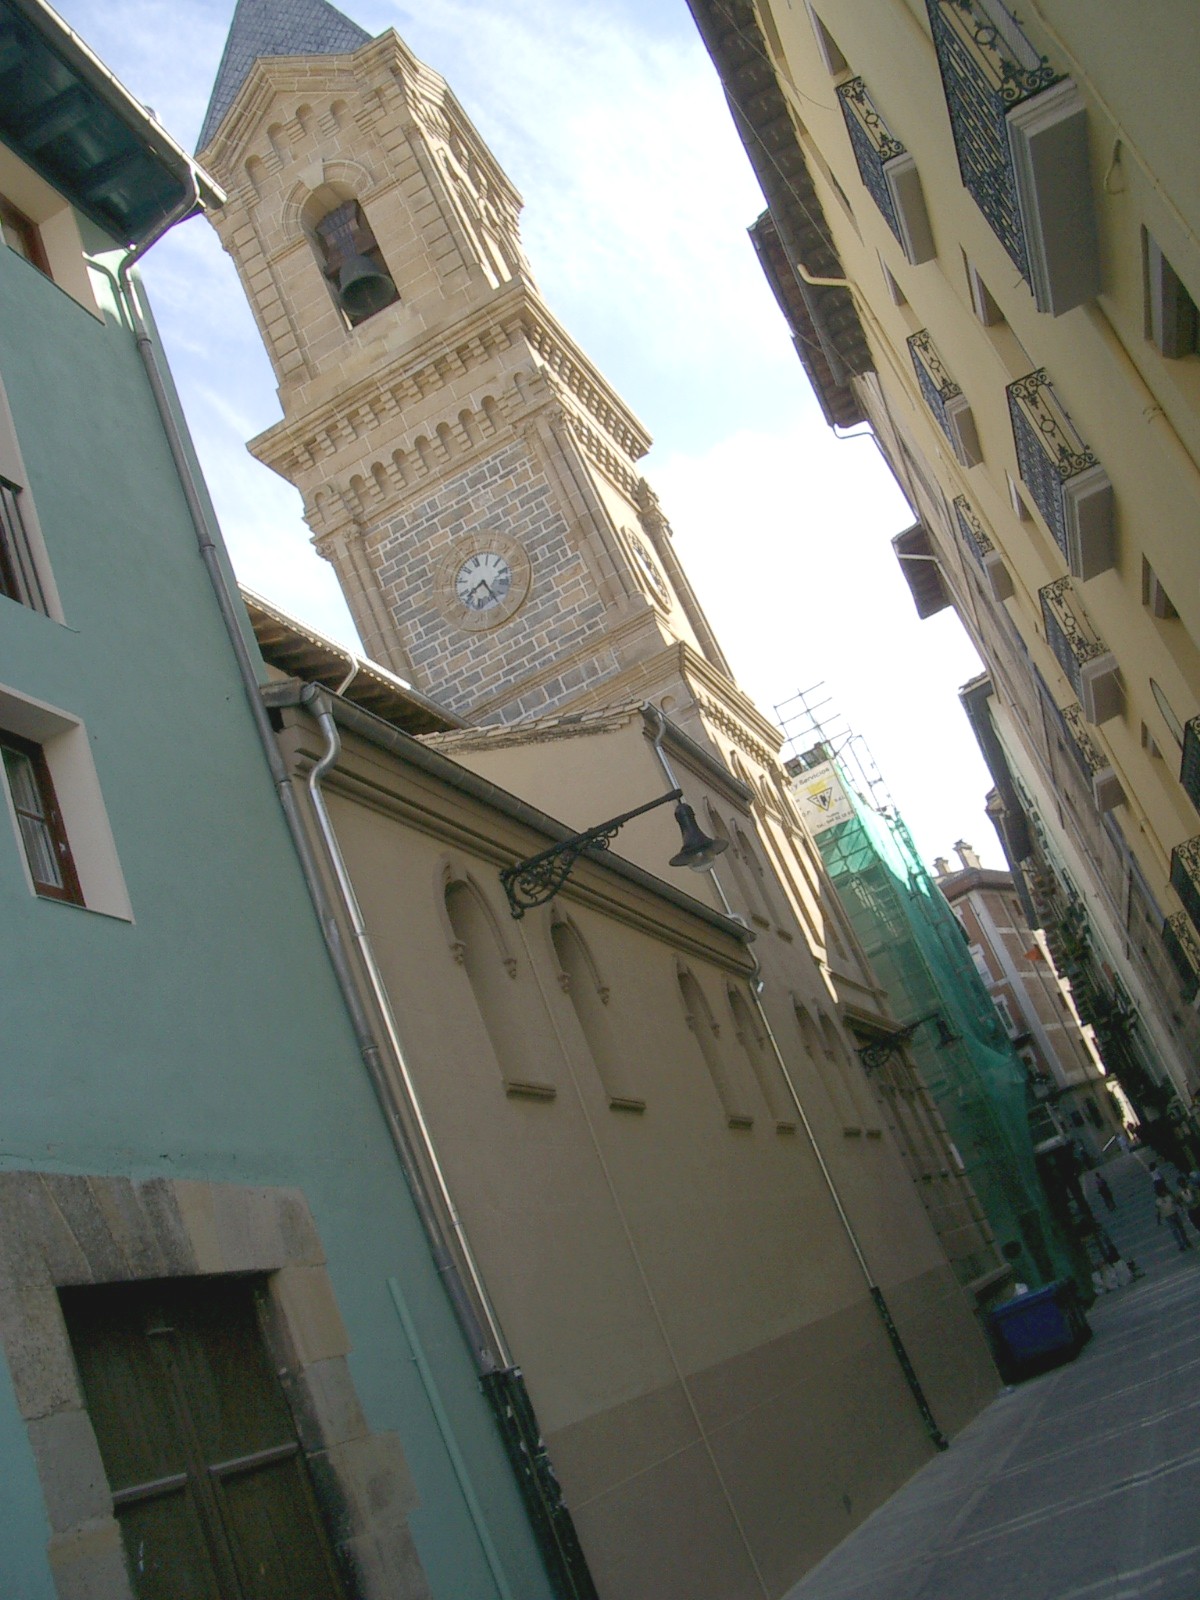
[(707, 1035), (755, 1047), (478, 946), (589, 998)]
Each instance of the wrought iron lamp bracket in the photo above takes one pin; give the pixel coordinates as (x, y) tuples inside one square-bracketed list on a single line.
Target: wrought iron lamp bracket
[(532, 883), (879, 1052)]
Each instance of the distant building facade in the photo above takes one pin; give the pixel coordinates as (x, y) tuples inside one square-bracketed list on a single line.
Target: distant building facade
[(982, 232), (950, 1030), (1033, 1001)]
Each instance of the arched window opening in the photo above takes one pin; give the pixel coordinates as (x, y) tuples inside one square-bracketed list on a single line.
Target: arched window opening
[(491, 974), (352, 263), (707, 1036), (835, 1089), (589, 1000), (755, 1048)]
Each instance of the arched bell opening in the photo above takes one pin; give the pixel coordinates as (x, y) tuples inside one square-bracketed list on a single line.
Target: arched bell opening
[(348, 254)]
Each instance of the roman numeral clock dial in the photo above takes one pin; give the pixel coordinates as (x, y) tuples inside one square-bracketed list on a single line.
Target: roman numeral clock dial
[(482, 581)]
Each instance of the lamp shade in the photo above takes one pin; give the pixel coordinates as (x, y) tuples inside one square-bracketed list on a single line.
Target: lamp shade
[(699, 851)]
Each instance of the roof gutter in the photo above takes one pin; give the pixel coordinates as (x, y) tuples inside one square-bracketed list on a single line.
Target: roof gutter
[(382, 734)]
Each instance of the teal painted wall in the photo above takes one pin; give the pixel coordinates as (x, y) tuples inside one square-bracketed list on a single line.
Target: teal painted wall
[(207, 1039)]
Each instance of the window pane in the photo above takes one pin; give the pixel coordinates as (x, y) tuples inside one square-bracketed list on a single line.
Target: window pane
[(31, 814), (39, 848)]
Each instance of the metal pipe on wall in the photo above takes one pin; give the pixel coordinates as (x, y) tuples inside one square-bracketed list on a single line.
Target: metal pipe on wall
[(899, 1350)]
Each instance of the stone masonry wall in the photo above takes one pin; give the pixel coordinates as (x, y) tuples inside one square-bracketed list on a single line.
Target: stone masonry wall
[(508, 494)]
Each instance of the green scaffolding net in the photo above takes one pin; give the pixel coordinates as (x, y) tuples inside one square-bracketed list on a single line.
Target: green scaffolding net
[(920, 955)]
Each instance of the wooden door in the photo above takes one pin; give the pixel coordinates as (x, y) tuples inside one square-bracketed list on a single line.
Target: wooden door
[(209, 1482)]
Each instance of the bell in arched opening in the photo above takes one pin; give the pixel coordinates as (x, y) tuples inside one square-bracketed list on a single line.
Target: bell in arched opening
[(354, 264)]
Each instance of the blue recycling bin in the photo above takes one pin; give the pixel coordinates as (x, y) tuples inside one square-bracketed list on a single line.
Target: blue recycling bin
[(1038, 1331)]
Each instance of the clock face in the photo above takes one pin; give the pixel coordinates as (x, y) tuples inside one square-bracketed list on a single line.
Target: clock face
[(483, 581), (650, 570)]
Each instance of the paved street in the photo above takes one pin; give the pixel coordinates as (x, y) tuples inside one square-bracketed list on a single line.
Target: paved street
[(1083, 1484)]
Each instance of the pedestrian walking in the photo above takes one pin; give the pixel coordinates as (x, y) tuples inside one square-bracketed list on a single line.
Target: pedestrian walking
[(1167, 1210), (1105, 1192), (1189, 1198)]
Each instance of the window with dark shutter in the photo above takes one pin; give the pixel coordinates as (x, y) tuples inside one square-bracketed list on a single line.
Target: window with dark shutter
[(209, 1481), (39, 821), (20, 579), (23, 236)]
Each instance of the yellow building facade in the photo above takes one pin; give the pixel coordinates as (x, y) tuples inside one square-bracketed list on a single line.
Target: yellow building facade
[(984, 230)]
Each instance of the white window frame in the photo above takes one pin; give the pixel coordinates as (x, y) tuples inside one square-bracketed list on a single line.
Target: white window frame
[(65, 744)]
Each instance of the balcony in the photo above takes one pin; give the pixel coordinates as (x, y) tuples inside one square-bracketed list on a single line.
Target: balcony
[(1184, 950), (981, 547), (889, 173), (1020, 131), (945, 399), (1093, 763), (1185, 877), (1091, 670), (1068, 485), (1189, 772)]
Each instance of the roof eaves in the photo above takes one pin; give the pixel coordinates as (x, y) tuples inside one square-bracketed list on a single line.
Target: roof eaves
[(417, 753), (87, 67)]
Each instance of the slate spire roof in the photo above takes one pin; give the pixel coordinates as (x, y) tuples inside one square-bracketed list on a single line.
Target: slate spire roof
[(275, 28)]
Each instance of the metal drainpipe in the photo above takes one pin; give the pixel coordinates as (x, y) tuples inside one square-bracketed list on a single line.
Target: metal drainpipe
[(487, 1345), (316, 700), (488, 1355), (502, 1382), (893, 1333)]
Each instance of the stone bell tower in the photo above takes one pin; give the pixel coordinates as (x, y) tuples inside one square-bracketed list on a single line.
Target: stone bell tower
[(464, 466)]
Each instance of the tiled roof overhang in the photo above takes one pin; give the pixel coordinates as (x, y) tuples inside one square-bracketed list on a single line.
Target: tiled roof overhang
[(301, 652), (825, 325)]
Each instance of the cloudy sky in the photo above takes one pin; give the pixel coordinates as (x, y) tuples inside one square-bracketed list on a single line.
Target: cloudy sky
[(610, 120)]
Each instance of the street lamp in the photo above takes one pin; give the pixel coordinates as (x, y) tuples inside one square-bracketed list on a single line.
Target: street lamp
[(533, 882)]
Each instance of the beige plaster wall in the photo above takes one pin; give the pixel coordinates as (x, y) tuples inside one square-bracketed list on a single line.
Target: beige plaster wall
[(714, 1382)]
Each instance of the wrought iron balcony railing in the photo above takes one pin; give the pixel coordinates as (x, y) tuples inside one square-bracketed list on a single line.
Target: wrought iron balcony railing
[(1189, 771), (1183, 947), (981, 547), (1093, 762), (1069, 486), (1020, 131), (1185, 876), (945, 399), (888, 171), (1090, 668)]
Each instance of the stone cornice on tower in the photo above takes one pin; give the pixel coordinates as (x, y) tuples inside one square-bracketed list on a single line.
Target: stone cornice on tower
[(429, 102), (358, 431)]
